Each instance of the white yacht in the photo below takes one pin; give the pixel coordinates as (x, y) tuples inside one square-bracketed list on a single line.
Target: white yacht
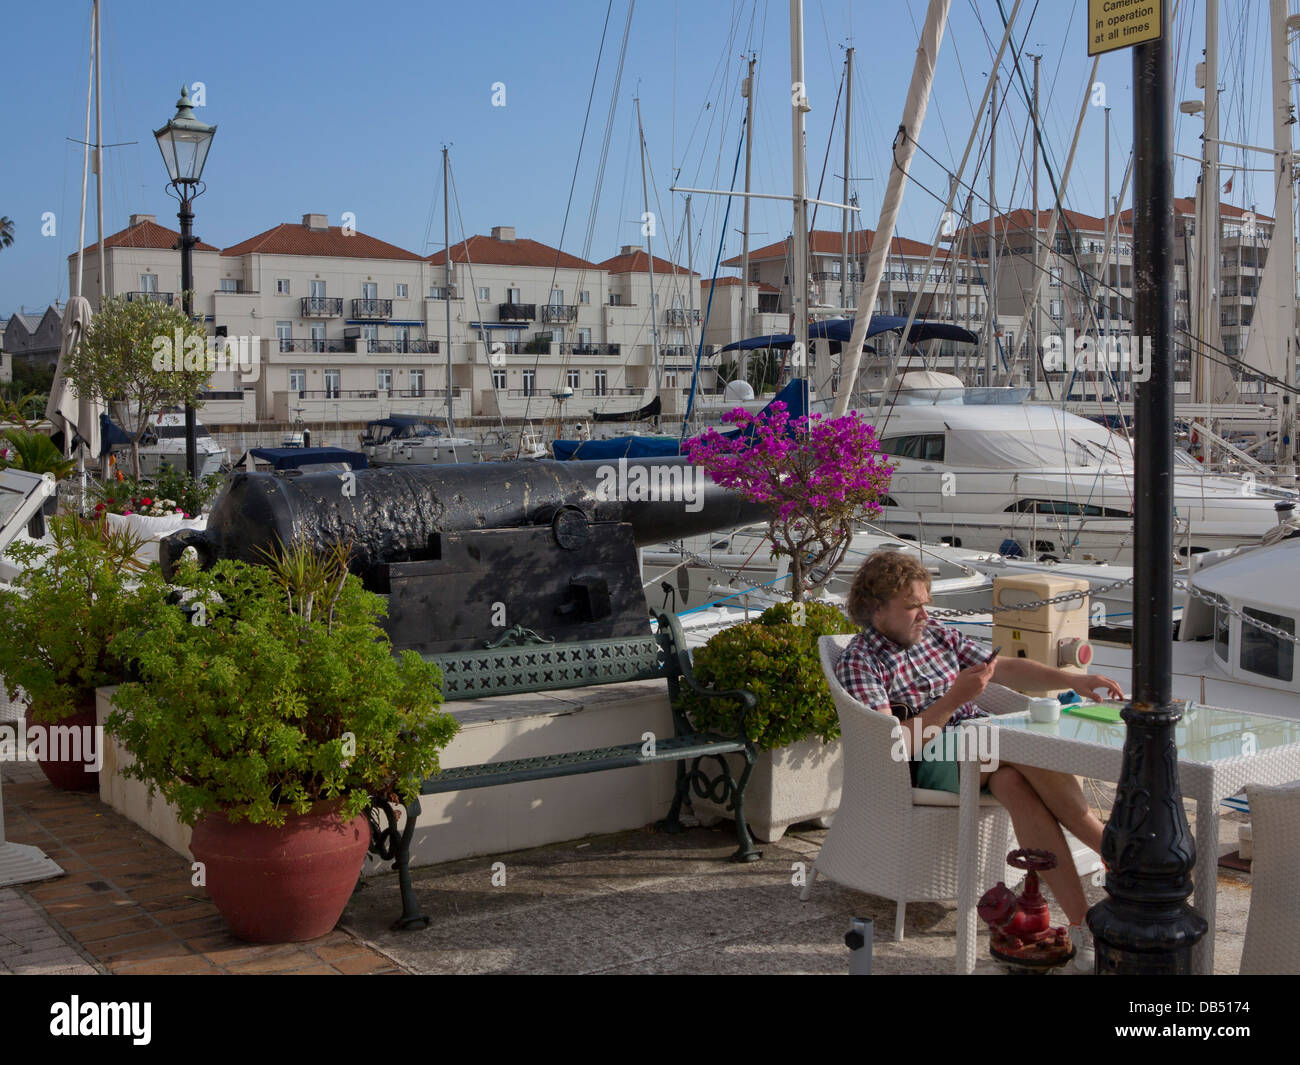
[(414, 439), (163, 444), (1031, 480)]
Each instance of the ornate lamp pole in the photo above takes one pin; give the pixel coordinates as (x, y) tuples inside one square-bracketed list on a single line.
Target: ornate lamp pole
[(184, 143), (1146, 925)]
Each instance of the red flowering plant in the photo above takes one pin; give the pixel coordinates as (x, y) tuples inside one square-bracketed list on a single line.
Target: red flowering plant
[(818, 476)]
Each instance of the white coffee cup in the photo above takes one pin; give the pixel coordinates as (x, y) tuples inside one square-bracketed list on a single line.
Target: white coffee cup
[(1044, 711)]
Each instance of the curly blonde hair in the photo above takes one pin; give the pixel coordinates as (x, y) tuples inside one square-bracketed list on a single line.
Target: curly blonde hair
[(882, 576)]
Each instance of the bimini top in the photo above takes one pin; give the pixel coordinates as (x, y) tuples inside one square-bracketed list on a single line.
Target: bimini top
[(405, 421), (291, 458), (838, 330)]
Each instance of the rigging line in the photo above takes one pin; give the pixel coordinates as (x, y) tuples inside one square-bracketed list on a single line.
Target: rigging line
[(812, 225), (699, 353)]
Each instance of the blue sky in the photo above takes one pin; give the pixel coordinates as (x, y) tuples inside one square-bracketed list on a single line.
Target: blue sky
[(331, 106)]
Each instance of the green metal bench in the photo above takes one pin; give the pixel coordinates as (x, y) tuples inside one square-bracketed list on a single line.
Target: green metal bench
[(523, 662)]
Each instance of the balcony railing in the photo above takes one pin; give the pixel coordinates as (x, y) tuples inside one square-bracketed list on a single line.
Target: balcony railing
[(317, 345), (676, 351), (337, 393), (516, 312), (424, 393), (372, 308), (559, 312), (322, 306), (682, 316), (589, 349), (613, 391), (402, 347), (168, 298)]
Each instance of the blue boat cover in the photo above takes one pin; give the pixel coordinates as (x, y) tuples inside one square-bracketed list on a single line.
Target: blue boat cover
[(291, 458), (401, 421), (794, 396), (110, 433), (838, 330)]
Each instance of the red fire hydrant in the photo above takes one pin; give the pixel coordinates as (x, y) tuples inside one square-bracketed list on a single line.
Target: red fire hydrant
[(1021, 925)]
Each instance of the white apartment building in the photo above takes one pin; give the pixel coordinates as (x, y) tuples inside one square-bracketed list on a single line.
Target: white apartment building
[(349, 327)]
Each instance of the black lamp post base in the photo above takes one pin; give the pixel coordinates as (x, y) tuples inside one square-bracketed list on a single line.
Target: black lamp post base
[(1145, 940)]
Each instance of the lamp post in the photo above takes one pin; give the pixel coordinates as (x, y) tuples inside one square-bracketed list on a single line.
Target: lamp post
[(184, 143)]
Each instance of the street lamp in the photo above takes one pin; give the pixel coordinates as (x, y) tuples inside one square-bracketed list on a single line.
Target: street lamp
[(184, 143)]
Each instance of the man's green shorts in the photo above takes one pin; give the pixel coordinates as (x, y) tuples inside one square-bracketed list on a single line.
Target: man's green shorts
[(937, 768)]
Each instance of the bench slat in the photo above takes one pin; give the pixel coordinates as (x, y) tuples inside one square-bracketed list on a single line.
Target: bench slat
[(576, 762), (548, 667)]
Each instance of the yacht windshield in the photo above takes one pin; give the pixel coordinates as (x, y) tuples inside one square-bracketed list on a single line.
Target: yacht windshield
[(1026, 448)]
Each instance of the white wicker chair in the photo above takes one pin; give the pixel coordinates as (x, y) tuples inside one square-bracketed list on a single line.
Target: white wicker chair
[(1273, 927), (888, 838)]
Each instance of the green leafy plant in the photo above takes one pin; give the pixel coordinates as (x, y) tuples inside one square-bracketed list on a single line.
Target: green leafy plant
[(63, 618), (190, 494), (26, 449), (775, 657), (278, 691)]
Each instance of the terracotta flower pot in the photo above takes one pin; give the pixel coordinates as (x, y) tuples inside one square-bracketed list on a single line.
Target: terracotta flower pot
[(282, 885), (70, 773)]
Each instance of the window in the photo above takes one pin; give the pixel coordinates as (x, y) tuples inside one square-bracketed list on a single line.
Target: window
[(484, 293), (584, 296), (228, 284), (297, 380), (318, 336), (437, 292), (318, 290), (927, 447), (369, 290), (557, 297), (616, 299), (401, 338), (575, 379), (370, 334), (600, 377), (513, 295), (1054, 276), (498, 379), (1055, 308), (401, 291), (284, 332), (1264, 653), (584, 338), (148, 282), (417, 382), (384, 380), (282, 286), (331, 384), (1222, 620), (530, 382), (670, 379)]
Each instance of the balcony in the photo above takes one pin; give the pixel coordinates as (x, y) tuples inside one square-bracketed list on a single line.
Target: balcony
[(169, 298), (402, 347), (676, 351), (559, 312), (322, 307), (372, 308), (516, 312), (588, 349), (681, 316), (317, 345)]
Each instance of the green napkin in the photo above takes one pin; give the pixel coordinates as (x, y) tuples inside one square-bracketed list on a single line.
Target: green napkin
[(1095, 711)]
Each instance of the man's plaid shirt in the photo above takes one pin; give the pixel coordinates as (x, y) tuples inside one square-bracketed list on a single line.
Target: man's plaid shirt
[(878, 672)]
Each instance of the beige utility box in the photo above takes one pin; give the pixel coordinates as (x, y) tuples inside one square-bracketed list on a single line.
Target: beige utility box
[(1055, 634)]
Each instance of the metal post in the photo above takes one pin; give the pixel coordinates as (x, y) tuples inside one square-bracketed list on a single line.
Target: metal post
[(799, 271), (1033, 312), (1282, 242), (446, 243), (991, 283), (747, 91), (188, 241), (1145, 925), (845, 290), (858, 939)]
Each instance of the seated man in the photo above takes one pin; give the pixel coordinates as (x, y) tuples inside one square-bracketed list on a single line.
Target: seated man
[(929, 675)]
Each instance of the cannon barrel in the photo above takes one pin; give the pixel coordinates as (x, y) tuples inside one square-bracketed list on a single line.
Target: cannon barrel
[(395, 514)]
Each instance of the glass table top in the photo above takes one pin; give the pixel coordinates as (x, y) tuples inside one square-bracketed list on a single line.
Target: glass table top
[(1205, 734)]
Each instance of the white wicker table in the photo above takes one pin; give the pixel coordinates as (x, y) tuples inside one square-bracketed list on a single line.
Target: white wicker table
[(1212, 764)]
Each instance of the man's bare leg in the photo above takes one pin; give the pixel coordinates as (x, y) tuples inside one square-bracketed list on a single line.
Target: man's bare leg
[(1037, 828), (1063, 795)]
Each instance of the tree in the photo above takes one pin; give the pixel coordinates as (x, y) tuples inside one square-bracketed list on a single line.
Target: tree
[(819, 477), (6, 231), (145, 355)]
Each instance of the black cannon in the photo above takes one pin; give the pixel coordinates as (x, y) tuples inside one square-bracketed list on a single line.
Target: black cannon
[(466, 552)]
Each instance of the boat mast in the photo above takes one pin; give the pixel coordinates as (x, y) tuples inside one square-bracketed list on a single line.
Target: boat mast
[(1033, 313), (1105, 271), (690, 278), (99, 160), (992, 283), (647, 224), (844, 224), (747, 91), (799, 107), (446, 243), (85, 152), (1208, 283), (1283, 242)]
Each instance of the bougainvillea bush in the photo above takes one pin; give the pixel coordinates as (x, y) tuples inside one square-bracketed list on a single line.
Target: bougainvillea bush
[(818, 476)]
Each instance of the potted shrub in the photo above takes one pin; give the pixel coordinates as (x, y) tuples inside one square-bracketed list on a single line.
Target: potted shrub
[(269, 709), (819, 477), (26, 449), (794, 723), (62, 621)]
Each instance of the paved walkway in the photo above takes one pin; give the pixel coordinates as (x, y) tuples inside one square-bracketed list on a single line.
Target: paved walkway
[(127, 905)]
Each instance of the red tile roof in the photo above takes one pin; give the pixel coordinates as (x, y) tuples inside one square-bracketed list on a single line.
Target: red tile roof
[(146, 235), (1022, 221), (1185, 206), (294, 238), (730, 282), (637, 262), (517, 252), (829, 242)]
